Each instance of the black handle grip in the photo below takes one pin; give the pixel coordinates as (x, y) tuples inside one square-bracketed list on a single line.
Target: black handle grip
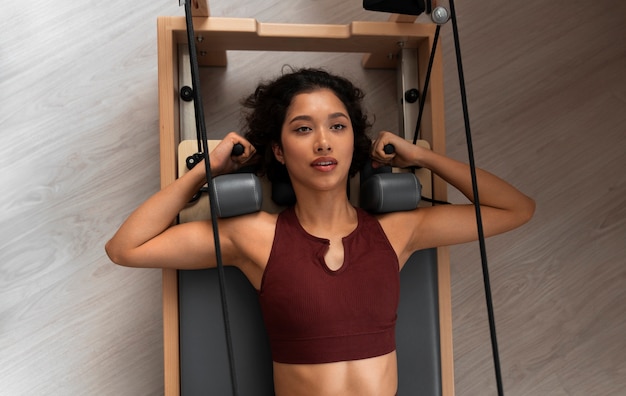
[(389, 149), (238, 149)]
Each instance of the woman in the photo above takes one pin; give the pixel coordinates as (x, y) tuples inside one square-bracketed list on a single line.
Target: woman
[(317, 263)]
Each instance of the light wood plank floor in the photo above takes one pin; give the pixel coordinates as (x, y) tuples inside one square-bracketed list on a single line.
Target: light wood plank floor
[(546, 86)]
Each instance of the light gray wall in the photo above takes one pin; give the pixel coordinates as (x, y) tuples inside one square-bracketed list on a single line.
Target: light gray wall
[(79, 150)]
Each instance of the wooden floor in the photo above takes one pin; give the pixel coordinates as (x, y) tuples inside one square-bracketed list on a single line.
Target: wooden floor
[(546, 84)]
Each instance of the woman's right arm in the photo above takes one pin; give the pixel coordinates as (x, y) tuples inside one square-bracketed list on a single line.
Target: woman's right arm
[(146, 238)]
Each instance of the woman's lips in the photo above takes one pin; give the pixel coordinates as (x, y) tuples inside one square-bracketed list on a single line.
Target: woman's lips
[(324, 164)]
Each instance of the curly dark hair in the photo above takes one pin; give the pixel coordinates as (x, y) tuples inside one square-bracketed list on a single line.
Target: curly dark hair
[(268, 107)]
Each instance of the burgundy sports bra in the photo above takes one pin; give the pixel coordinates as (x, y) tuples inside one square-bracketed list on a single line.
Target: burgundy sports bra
[(316, 315)]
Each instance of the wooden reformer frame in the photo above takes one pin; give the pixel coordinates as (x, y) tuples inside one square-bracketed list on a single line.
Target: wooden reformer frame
[(381, 42)]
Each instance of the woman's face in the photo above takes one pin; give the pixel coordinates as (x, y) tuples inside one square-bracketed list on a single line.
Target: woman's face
[(317, 140)]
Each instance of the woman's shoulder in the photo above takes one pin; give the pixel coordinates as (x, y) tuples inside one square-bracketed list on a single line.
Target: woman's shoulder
[(401, 228), (394, 220), (250, 242), (252, 222), (251, 231)]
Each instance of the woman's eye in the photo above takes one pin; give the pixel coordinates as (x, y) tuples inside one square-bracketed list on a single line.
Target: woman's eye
[(302, 129), (338, 126)]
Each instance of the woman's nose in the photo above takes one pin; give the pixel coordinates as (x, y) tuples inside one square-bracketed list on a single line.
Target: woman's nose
[(323, 144)]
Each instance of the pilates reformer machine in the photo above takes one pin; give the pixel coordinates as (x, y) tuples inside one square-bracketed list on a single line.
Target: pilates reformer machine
[(196, 348)]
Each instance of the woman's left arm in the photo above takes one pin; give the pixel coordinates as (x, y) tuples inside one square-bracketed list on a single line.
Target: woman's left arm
[(502, 206)]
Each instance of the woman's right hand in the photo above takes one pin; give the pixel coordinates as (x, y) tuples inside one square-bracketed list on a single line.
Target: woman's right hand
[(222, 158)]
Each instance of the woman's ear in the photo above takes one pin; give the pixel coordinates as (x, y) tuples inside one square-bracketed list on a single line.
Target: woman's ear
[(278, 153)]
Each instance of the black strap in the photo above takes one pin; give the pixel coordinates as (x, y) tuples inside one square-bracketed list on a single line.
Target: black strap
[(426, 83), (479, 223), (203, 141)]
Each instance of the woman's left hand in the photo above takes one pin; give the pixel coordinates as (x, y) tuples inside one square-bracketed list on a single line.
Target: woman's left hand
[(404, 154)]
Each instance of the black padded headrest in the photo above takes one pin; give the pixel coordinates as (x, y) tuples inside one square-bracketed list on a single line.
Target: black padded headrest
[(283, 194), (240, 193)]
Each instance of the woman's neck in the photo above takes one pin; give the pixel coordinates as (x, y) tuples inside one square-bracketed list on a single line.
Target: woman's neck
[(326, 215)]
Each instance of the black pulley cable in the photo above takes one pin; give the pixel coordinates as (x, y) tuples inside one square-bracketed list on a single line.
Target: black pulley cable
[(426, 83), (481, 234), (201, 127), (441, 18), (418, 124)]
